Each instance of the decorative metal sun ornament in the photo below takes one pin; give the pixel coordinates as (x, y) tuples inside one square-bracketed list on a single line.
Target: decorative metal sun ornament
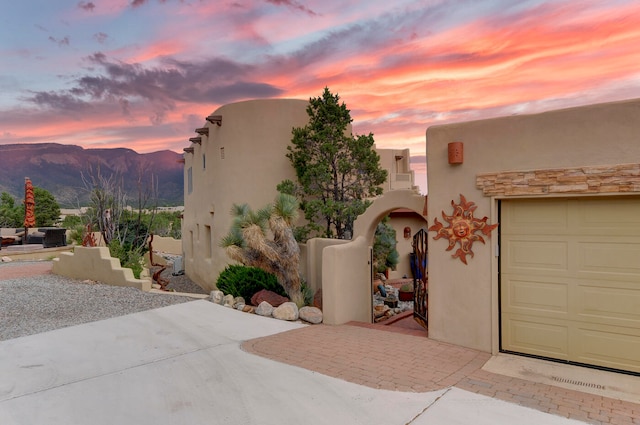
[(462, 228)]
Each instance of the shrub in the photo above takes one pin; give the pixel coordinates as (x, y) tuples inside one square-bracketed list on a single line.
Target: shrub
[(129, 258), (245, 281), (407, 287)]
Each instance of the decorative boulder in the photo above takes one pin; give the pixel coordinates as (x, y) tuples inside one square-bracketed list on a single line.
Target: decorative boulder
[(311, 314), (228, 300), (269, 296), (264, 309), (317, 299), (216, 297), (286, 311)]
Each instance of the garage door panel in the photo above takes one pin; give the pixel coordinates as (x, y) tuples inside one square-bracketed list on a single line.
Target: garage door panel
[(530, 335), (534, 216), (607, 304), (536, 255), (614, 347), (611, 216), (529, 296), (621, 258)]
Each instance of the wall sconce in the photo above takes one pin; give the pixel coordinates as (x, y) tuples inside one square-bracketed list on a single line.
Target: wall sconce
[(456, 153), (407, 232), (197, 140), (203, 131), (215, 119)]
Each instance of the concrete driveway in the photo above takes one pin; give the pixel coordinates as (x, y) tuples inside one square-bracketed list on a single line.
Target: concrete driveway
[(183, 364)]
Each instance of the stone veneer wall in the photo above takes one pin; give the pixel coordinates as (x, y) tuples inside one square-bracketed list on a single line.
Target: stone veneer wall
[(623, 178)]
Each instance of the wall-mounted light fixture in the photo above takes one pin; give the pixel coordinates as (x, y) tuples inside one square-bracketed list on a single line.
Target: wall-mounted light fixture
[(215, 119), (203, 131), (188, 150), (407, 232), (456, 153), (197, 140)]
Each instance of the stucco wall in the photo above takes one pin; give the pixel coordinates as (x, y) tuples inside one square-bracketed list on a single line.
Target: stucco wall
[(404, 247), (96, 263), (463, 298), (254, 136)]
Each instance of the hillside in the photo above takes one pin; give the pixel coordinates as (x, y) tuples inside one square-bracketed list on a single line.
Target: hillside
[(63, 170)]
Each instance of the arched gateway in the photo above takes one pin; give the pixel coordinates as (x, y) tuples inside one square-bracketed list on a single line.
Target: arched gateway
[(346, 267)]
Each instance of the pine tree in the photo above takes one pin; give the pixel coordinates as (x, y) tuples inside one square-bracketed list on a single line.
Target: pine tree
[(337, 172)]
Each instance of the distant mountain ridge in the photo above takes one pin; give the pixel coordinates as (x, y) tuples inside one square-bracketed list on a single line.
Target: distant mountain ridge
[(60, 169)]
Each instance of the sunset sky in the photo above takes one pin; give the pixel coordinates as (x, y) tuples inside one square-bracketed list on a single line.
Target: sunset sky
[(143, 74)]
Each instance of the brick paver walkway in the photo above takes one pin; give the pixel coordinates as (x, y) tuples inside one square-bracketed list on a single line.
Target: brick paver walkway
[(402, 361)]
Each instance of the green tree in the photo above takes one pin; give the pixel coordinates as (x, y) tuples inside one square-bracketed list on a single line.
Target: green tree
[(337, 172), (47, 209), (264, 239), (11, 215), (385, 254)]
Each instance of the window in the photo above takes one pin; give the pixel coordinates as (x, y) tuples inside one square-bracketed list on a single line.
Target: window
[(204, 161), (189, 180)]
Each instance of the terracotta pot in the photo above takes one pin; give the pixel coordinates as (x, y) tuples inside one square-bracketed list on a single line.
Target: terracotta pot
[(405, 296)]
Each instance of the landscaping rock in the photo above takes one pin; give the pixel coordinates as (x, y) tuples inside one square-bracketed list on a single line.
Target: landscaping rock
[(286, 311), (227, 301), (265, 309), (216, 297), (237, 301), (311, 314), (317, 299), (6, 259), (269, 296)]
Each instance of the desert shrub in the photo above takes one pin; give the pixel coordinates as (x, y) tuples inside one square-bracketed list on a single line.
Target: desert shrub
[(244, 281), (307, 293), (129, 258), (76, 233)]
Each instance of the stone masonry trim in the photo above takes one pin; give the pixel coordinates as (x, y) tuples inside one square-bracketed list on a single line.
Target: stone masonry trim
[(606, 179)]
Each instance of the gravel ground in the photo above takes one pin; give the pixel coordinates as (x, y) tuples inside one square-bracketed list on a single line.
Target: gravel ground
[(43, 302)]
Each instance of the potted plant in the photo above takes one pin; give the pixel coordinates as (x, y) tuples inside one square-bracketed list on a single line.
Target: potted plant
[(405, 293)]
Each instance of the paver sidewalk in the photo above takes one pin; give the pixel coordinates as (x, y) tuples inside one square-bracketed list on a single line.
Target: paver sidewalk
[(398, 361)]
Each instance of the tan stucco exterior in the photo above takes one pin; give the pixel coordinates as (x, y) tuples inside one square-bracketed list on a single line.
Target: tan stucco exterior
[(582, 145), (240, 161), (401, 219)]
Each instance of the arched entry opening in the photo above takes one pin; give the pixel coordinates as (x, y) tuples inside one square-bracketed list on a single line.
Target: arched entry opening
[(405, 212)]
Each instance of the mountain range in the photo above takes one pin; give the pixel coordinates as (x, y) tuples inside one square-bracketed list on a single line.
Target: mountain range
[(67, 170)]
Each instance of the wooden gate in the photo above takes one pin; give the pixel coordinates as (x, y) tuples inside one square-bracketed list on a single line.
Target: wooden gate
[(420, 277)]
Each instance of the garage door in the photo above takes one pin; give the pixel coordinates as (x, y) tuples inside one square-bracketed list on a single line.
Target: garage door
[(570, 280)]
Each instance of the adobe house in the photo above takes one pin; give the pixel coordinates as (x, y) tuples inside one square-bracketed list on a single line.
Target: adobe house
[(559, 277), (239, 156)]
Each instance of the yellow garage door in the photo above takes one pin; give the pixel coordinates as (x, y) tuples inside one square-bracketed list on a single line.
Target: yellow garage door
[(570, 280)]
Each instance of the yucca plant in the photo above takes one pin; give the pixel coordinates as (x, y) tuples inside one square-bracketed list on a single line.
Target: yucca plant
[(264, 239)]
